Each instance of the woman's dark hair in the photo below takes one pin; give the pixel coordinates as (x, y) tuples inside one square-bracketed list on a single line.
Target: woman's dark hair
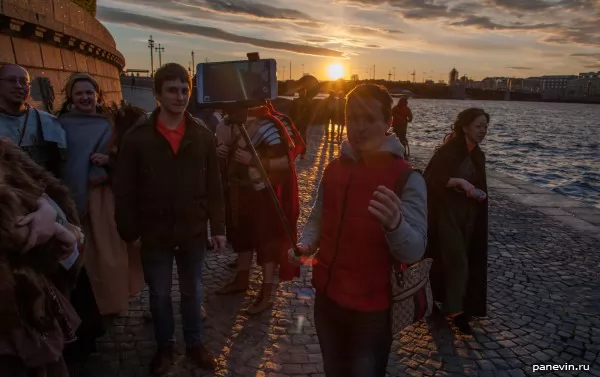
[(464, 119), (67, 90), (376, 92)]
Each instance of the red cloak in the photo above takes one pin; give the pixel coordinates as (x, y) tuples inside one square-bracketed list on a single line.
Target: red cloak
[(287, 194), (296, 138)]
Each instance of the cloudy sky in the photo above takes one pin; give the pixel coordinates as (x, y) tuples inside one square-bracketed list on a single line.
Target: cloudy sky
[(517, 38)]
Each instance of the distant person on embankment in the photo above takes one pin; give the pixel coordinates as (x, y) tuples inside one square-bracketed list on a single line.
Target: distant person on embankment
[(340, 114), (132, 82), (301, 115), (402, 116), (330, 119), (458, 220)]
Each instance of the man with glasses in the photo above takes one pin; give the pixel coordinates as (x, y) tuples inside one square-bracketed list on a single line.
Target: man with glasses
[(38, 133), (41, 136)]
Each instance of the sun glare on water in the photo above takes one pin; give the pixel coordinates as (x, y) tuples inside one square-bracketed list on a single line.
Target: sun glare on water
[(335, 71)]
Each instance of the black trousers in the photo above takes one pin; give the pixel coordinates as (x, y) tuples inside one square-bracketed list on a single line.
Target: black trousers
[(353, 344), (92, 325)]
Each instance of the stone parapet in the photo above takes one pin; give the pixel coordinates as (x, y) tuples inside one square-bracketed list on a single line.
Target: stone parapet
[(88, 5), (53, 39)]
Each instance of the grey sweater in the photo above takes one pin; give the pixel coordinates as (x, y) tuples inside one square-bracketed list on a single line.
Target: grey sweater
[(407, 242)]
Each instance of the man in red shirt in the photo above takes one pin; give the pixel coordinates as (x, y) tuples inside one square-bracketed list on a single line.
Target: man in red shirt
[(167, 187)]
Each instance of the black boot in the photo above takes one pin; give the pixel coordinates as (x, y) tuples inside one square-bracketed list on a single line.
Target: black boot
[(462, 322)]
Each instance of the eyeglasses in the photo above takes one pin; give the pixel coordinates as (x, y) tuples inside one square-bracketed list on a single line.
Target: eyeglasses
[(14, 81)]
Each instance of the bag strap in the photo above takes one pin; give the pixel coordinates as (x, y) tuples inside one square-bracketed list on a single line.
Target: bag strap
[(398, 187), (401, 180), (24, 129)]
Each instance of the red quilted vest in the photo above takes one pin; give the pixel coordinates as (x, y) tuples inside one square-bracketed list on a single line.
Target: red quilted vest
[(354, 261)]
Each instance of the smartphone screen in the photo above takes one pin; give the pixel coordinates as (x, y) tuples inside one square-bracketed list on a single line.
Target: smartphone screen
[(237, 81)]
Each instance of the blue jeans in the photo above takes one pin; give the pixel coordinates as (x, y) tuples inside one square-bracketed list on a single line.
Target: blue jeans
[(158, 273), (353, 344)]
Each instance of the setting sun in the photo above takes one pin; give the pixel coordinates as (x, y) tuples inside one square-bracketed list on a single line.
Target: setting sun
[(335, 71)]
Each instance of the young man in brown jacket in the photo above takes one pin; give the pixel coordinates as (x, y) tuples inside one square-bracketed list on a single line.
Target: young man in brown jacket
[(167, 187)]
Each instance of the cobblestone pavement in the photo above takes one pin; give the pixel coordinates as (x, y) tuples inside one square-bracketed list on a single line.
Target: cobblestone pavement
[(544, 301)]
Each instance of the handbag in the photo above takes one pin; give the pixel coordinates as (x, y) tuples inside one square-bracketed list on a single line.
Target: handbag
[(412, 298)]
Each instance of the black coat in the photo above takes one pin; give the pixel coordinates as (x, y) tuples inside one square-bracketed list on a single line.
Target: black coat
[(167, 199), (444, 165)]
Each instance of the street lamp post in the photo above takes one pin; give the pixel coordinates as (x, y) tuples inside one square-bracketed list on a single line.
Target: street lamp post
[(160, 51), (151, 46), (193, 61)]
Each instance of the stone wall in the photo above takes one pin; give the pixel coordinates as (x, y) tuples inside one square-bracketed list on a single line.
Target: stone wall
[(88, 5), (53, 39)]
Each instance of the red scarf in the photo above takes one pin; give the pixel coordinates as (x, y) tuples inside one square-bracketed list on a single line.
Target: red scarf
[(287, 194)]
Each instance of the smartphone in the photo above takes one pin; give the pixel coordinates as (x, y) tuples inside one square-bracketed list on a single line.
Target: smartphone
[(236, 81)]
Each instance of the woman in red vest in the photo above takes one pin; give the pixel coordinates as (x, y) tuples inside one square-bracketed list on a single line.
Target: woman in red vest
[(360, 226), (458, 220)]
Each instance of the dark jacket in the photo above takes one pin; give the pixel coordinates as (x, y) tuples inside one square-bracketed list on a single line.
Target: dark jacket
[(167, 199), (444, 165)]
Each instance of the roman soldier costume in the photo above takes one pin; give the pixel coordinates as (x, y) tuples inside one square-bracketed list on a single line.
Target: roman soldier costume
[(253, 220)]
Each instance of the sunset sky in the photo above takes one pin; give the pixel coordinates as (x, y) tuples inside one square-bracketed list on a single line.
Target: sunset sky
[(516, 38)]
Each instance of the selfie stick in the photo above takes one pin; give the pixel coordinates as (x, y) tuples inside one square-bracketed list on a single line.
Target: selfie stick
[(265, 178)]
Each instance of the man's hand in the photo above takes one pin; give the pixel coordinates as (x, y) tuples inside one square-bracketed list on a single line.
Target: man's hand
[(386, 207), (243, 157), (303, 259), (137, 243), (219, 243), (254, 173), (99, 159), (67, 240), (41, 224), (474, 195), (467, 187), (222, 150)]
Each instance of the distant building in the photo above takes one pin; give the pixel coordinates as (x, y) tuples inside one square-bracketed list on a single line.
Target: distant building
[(354, 77), (554, 87), (494, 83), (589, 75), (584, 87), (453, 77), (524, 85), (556, 81)]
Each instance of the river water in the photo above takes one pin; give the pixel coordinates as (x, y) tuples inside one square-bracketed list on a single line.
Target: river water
[(553, 145)]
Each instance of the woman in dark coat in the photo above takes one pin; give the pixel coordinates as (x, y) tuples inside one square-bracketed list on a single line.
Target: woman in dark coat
[(458, 219)]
